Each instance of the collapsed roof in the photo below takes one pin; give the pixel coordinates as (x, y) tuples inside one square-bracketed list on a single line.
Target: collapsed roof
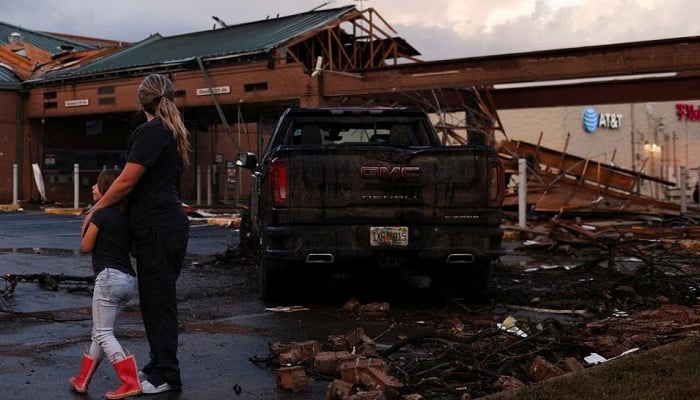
[(344, 38)]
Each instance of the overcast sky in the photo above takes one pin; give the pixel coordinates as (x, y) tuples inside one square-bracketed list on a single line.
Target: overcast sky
[(439, 29)]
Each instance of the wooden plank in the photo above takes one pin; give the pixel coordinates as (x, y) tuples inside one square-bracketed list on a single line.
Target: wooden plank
[(584, 171), (563, 153), (613, 176)]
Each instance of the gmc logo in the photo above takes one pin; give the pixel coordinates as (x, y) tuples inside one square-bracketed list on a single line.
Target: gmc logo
[(393, 172)]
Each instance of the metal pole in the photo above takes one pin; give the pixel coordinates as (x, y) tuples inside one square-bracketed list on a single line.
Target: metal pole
[(199, 185), (219, 110), (633, 152), (684, 196), (522, 192), (19, 139), (15, 183), (225, 179), (215, 181), (208, 185), (76, 184)]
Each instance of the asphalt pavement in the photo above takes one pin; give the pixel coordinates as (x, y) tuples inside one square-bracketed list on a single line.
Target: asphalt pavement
[(223, 324)]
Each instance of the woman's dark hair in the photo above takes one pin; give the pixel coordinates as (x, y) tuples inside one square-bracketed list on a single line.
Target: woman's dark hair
[(105, 180)]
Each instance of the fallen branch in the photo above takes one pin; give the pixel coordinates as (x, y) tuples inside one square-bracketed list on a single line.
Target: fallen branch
[(45, 280), (438, 335), (548, 310)]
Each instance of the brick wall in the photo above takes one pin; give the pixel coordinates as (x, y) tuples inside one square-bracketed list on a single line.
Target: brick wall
[(8, 134)]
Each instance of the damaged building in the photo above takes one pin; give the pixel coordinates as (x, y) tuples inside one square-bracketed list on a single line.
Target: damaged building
[(69, 101)]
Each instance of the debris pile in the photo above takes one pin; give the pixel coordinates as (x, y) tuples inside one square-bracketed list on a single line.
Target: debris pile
[(349, 361), (561, 183), (469, 361), (592, 299)]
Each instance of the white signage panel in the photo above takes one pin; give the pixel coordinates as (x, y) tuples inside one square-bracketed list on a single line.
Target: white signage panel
[(216, 90), (77, 103)]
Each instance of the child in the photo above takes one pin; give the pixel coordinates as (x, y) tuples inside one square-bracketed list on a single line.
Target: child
[(108, 237)]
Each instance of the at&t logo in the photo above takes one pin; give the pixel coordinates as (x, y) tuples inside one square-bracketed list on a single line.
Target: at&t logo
[(592, 120)]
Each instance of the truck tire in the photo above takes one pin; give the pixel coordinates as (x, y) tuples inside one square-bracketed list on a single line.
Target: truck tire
[(271, 282), (480, 277), (468, 282)]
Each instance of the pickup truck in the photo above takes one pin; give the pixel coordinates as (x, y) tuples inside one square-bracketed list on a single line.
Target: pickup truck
[(341, 189)]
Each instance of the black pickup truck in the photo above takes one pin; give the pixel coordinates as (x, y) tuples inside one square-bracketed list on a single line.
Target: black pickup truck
[(366, 188)]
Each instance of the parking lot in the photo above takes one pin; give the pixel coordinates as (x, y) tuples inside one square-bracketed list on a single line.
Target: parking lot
[(43, 331), (223, 324), (546, 309)]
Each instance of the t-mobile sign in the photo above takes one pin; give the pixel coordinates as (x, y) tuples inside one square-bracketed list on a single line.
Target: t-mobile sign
[(687, 112)]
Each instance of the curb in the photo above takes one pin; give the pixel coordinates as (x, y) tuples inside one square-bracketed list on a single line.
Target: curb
[(63, 211), (9, 207), (228, 222)]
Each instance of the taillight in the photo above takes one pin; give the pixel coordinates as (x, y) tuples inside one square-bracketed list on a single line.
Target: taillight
[(496, 182), (278, 182)]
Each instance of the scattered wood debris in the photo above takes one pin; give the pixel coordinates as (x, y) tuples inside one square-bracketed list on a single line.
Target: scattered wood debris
[(561, 183), (45, 280), (604, 297)]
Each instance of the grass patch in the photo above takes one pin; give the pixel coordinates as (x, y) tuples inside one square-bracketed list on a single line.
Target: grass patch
[(668, 372)]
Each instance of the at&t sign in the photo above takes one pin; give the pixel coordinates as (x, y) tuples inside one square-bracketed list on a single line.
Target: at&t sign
[(593, 120)]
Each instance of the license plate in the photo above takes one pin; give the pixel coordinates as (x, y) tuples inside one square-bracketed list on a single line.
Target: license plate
[(388, 236)]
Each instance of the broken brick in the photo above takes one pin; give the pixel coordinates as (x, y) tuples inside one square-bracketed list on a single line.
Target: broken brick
[(541, 369), (505, 382), (292, 379), (338, 389), (573, 364), (368, 395), (370, 372), (326, 362), (295, 352)]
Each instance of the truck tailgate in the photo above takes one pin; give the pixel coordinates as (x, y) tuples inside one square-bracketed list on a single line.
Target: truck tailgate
[(371, 185)]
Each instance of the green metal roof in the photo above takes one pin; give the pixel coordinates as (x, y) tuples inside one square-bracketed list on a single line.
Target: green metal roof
[(44, 41), (232, 41)]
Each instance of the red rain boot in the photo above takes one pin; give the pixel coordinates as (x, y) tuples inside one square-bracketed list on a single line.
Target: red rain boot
[(129, 375), (87, 368)]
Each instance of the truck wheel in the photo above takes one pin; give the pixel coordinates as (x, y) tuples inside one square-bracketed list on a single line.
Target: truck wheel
[(270, 278), (481, 280), (468, 282)]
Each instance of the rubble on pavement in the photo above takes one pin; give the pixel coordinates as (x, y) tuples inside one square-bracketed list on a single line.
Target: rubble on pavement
[(597, 298)]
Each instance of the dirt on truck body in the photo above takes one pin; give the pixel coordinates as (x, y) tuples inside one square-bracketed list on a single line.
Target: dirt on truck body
[(371, 186)]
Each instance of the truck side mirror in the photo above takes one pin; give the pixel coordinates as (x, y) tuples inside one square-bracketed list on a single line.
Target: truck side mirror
[(247, 160)]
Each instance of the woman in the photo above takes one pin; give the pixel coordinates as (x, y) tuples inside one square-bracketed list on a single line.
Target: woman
[(109, 239), (156, 154)]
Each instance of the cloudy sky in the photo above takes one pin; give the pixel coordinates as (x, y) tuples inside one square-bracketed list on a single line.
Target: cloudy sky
[(439, 29)]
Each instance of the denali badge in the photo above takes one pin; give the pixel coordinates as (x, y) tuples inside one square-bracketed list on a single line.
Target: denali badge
[(393, 172), (387, 197)]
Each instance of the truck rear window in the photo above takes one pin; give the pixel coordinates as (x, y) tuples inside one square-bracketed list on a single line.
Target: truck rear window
[(371, 133)]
